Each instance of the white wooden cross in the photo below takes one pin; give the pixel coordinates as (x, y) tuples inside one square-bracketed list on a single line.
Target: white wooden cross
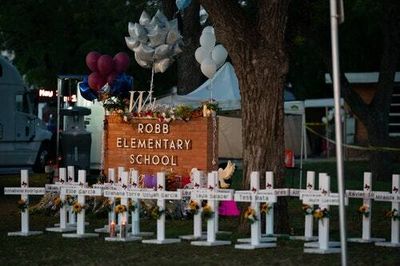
[(24, 191), (161, 195), (109, 184), (308, 218), (134, 180), (81, 191), (279, 192), (323, 198), (197, 223), (394, 198), (212, 195), (123, 217), (63, 226), (367, 195), (71, 180), (255, 196)]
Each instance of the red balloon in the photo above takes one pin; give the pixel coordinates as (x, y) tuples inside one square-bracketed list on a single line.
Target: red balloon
[(96, 81), (105, 64), (121, 62), (91, 60), (111, 77)]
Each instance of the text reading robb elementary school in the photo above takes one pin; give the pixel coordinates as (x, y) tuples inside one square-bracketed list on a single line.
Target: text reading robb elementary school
[(154, 143)]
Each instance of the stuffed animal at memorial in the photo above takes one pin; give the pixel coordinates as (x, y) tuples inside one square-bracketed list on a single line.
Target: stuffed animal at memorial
[(225, 175)]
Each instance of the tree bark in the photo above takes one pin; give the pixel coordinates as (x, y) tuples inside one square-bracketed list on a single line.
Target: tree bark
[(257, 50), (189, 73)]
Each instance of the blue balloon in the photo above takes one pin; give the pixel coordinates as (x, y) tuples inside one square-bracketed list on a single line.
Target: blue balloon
[(121, 85), (85, 91), (182, 4)]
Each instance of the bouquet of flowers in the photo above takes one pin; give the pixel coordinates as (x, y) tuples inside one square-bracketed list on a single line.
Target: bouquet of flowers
[(156, 213), (307, 209), (22, 204), (193, 207), (265, 208), (364, 210), (120, 208), (77, 207), (250, 215), (320, 213), (392, 214), (207, 212), (131, 205)]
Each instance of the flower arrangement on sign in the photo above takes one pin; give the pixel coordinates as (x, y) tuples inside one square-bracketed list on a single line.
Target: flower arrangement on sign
[(132, 205), (250, 215), (321, 213), (207, 212), (69, 200), (120, 208), (22, 204), (364, 210), (156, 212), (307, 209), (77, 207), (392, 214), (57, 202), (265, 208), (193, 207)]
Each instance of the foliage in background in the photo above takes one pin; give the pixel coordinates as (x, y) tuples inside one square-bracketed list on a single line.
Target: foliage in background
[(53, 37)]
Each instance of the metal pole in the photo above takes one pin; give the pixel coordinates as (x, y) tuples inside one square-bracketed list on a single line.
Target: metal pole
[(338, 127), (302, 144), (59, 86)]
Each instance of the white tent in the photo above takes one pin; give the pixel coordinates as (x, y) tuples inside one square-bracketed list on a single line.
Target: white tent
[(224, 88)]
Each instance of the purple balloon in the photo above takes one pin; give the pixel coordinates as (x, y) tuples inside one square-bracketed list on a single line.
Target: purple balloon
[(91, 60), (105, 65), (121, 62), (150, 181)]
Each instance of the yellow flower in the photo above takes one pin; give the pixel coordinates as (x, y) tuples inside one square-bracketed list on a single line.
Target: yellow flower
[(77, 207), (120, 208), (264, 208), (207, 212), (57, 202), (318, 214)]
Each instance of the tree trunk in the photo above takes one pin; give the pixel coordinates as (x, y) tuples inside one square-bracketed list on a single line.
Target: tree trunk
[(260, 61), (189, 74)]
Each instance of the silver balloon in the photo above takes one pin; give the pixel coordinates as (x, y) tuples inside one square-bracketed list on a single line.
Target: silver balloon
[(157, 36), (173, 36), (162, 65), (142, 63), (161, 18), (132, 42), (137, 31), (173, 24), (162, 51), (144, 18), (144, 52), (176, 49)]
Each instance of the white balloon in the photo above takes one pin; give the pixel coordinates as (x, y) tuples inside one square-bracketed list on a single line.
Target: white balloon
[(208, 29), (207, 40), (208, 67), (201, 54), (219, 55)]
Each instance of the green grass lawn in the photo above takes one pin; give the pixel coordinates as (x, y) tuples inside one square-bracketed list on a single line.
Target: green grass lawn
[(52, 249)]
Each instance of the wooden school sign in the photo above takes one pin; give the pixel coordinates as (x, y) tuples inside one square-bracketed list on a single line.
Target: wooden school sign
[(151, 146)]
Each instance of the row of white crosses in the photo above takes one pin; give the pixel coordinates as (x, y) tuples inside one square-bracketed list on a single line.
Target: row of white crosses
[(129, 189)]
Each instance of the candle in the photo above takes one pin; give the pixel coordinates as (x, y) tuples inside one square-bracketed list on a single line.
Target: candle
[(123, 229), (112, 229)]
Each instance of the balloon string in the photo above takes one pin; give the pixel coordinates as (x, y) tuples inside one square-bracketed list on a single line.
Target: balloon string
[(152, 79)]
